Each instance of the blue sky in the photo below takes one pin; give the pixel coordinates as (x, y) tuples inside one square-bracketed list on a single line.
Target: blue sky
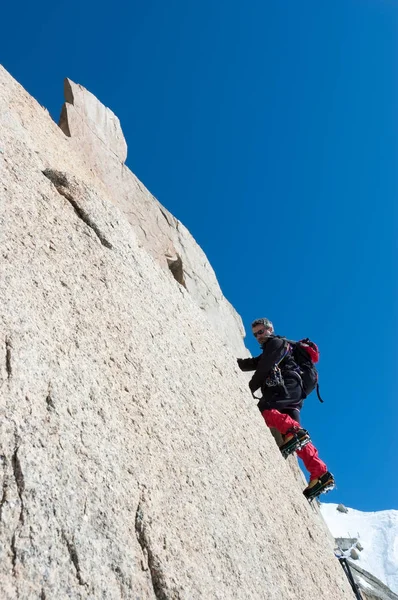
[(270, 130)]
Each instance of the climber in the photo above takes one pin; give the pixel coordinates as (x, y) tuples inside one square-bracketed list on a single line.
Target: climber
[(278, 376)]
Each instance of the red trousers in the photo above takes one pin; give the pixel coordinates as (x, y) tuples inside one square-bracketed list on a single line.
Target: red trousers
[(308, 454)]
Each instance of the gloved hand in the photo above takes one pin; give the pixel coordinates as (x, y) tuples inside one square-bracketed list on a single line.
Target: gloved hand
[(240, 362), (252, 388)]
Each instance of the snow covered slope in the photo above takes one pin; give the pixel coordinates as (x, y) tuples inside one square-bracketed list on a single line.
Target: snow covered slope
[(377, 533)]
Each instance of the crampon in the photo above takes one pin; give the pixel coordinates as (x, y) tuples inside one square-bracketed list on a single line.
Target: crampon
[(319, 486), (295, 441)]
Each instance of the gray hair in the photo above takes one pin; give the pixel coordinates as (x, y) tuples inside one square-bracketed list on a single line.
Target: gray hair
[(266, 322)]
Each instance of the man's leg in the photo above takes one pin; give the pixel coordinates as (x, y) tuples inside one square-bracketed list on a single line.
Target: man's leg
[(309, 454), (289, 405), (292, 412), (281, 422), (293, 437), (320, 478), (314, 465)]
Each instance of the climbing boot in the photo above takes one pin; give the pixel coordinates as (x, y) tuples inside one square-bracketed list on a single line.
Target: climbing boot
[(295, 439), (320, 485)]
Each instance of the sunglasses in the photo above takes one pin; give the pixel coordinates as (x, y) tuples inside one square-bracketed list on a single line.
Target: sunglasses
[(259, 332)]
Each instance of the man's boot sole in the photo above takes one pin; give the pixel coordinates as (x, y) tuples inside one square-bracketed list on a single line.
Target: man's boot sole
[(327, 487)]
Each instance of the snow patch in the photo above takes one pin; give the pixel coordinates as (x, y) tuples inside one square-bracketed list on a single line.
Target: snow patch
[(377, 533)]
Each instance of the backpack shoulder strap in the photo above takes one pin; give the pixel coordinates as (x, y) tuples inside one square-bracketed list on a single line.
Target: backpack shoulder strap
[(318, 394), (282, 337)]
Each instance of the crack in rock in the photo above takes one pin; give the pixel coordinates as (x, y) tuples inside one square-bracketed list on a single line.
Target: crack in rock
[(20, 483), (167, 216), (176, 267), (19, 480), (74, 558), (61, 183), (157, 576), (8, 357), (5, 487), (49, 401), (81, 213), (14, 555)]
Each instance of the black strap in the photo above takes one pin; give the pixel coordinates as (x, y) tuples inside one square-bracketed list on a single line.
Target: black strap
[(346, 568), (318, 394), (282, 337), (293, 343)]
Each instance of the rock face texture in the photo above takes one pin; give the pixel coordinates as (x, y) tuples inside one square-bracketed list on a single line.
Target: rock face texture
[(98, 139), (370, 587), (133, 464), (83, 116)]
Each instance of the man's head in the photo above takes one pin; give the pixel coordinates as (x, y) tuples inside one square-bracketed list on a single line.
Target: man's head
[(262, 329)]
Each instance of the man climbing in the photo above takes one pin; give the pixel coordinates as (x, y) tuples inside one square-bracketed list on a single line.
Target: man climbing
[(278, 376)]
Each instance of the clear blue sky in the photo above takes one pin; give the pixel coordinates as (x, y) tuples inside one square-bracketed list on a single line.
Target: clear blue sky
[(270, 130)]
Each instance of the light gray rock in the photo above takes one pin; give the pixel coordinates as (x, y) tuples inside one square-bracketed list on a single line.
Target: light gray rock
[(82, 111), (371, 587), (133, 463), (169, 242), (342, 508), (345, 544)]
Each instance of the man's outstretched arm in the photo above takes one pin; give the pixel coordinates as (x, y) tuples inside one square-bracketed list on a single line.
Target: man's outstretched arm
[(248, 364)]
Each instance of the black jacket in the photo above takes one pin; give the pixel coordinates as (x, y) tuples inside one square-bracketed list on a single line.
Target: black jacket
[(273, 350)]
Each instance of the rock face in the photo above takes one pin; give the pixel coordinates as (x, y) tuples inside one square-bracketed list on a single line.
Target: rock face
[(133, 463), (83, 116), (371, 588), (345, 544), (98, 139)]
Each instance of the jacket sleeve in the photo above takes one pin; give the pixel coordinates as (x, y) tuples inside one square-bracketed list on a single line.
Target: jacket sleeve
[(248, 364), (273, 351)]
